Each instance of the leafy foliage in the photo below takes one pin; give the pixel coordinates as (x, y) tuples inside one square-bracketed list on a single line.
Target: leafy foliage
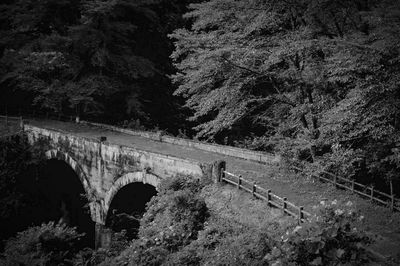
[(91, 58), (179, 229), (172, 220), (19, 162), (301, 76), (225, 242), (88, 256), (331, 238), (48, 244)]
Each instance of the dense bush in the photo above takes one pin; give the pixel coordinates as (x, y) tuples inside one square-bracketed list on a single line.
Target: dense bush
[(48, 244), (19, 166), (179, 229), (330, 238), (224, 242), (91, 257), (176, 230), (172, 220)]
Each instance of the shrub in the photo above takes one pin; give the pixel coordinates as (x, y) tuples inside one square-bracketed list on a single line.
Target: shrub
[(330, 238), (341, 161), (172, 220), (181, 182), (90, 257), (224, 242), (48, 244)]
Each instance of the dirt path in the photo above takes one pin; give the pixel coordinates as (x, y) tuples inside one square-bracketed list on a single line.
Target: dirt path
[(299, 190)]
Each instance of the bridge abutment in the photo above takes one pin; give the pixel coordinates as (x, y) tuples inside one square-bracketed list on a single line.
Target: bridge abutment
[(103, 236)]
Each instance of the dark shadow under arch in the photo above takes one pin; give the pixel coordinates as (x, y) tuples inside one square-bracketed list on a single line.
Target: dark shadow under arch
[(128, 206), (56, 154), (66, 199)]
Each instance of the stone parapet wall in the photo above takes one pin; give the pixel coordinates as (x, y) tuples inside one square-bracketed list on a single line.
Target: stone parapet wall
[(123, 157), (260, 157)]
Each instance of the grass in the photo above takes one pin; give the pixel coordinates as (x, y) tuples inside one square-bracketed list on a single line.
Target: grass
[(382, 224), (228, 202)]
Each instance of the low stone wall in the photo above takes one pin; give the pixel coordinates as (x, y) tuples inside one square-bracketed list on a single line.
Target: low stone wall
[(157, 164), (126, 158), (260, 157)]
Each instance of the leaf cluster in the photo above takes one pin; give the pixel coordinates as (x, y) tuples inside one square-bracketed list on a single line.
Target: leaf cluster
[(48, 244), (331, 238)]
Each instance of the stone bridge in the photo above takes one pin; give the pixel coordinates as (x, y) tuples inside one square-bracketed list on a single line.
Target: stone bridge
[(106, 159)]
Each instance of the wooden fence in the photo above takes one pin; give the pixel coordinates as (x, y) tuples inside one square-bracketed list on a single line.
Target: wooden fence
[(374, 195), (265, 194)]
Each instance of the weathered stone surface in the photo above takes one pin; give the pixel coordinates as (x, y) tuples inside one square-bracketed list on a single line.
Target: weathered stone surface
[(256, 156), (104, 168)]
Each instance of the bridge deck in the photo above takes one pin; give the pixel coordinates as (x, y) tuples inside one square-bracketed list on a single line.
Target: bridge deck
[(233, 164)]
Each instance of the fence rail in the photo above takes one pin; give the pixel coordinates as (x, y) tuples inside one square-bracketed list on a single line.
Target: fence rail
[(370, 192), (265, 194)]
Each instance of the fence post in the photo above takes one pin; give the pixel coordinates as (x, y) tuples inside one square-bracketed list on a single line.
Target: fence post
[(352, 185), (269, 197), (217, 171), (391, 196), (239, 181), (335, 180), (300, 214), (253, 191), (284, 204), (222, 175), (391, 202), (372, 193), (21, 123)]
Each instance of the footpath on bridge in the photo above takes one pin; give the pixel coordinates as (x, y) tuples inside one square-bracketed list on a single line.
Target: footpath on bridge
[(271, 176)]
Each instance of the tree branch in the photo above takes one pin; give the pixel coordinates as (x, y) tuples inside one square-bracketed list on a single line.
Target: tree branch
[(242, 67)]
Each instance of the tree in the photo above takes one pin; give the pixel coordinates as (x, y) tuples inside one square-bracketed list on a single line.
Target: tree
[(19, 165), (94, 58), (300, 75)]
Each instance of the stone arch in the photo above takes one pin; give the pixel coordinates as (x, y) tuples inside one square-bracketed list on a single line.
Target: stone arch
[(56, 154), (127, 179), (94, 205)]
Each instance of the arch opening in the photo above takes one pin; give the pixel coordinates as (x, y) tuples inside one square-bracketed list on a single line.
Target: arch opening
[(128, 206), (64, 199)]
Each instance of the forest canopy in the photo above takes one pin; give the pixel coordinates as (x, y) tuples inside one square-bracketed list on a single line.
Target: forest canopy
[(101, 59), (310, 79)]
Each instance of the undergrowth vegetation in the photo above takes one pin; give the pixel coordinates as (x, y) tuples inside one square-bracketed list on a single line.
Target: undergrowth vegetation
[(181, 227)]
